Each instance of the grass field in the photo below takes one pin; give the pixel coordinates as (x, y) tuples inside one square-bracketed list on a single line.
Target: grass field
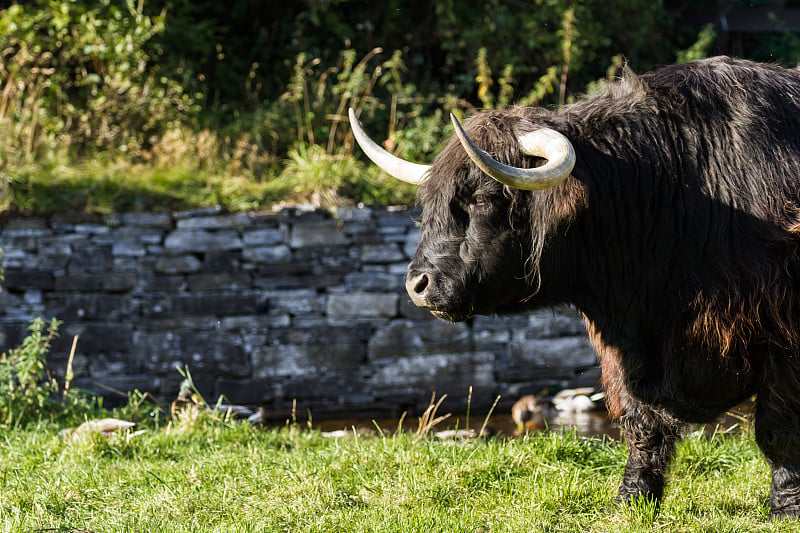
[(218, 477)]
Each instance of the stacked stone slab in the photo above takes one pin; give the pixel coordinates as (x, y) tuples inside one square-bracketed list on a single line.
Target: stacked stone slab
[(299, 306)]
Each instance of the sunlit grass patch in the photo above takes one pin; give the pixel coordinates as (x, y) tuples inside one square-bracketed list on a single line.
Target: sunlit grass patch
[(234, 477)]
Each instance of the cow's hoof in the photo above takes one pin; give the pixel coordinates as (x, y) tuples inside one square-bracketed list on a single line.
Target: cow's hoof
[(641, 499), (790, 513)]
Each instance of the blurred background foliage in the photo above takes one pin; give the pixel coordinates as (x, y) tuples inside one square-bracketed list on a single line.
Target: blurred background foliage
[(109, 105)]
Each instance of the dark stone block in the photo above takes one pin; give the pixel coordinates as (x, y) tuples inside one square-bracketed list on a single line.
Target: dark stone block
[(262, 237), (18, 280), (268, 254), (178, 264), (73, 218), (336, 257), (198, 212), (363, 233), (216, 221), (444, 373), (396, 217), (362, 305), (119, 281), (382, 253), (26, 243), (94, 337), (300, 333), (246, 391), (554, 323), (226, 261), (79, 282), (89, 306), (12, 332), (220, 303), (304, 216), (9, 302), (200, 240), (548, 353), (295, 302), (407, 309), (281, 281), (165, 283), (88, 258), (333, 387), (267, 270), (374, 282), (205, 353), (114, 389), (404, 338), (316, 234), (307, 359), (217, 281), (147, 220)]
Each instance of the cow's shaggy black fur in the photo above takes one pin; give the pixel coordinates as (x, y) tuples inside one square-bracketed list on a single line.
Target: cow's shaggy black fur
[(676, 235)]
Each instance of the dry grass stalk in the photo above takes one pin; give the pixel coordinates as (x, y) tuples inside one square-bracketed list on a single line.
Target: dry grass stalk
[(428, 419), (69, 375), (488, 416)]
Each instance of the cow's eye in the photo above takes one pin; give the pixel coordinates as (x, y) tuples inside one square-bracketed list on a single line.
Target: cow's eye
[(478, 201)]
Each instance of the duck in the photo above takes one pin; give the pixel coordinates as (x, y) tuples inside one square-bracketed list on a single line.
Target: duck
[(527, 413), (190, 398), (580, 400)]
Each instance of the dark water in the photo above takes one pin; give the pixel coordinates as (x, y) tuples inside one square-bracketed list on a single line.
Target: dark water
[(590, 424)]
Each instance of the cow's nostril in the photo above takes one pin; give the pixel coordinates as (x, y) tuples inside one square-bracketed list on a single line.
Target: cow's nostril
[(421, 284), (418, 284)]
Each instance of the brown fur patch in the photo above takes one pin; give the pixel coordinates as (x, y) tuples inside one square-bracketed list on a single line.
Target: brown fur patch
[(728, 323), (612, 373)]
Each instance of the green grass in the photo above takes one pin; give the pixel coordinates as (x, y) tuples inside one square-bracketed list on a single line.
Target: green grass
[(95, 188), (215, 477), (105, 185)]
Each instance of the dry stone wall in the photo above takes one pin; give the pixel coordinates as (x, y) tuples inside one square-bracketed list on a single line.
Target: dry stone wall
[(266, 309)]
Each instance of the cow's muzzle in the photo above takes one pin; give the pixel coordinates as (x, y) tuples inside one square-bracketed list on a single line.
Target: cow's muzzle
[(429, 290)]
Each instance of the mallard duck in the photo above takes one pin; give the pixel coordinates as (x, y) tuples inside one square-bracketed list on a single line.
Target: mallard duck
[(189, 398), (579, 400), (526, 413)]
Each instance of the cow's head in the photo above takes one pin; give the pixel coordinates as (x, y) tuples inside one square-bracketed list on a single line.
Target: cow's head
[(476, 242)]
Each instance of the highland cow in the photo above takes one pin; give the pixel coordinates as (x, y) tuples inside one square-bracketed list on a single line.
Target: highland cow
[(666, 209)]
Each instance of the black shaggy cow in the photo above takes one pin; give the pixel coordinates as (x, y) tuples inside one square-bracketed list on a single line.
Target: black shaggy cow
[(667, 210)]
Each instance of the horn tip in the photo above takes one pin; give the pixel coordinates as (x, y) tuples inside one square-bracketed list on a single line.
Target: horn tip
[(456, 123)]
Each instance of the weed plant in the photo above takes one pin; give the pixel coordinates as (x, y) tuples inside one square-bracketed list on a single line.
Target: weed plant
[(29, 394)]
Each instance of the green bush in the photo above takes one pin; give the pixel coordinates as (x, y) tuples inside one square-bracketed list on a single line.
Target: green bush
[(79, 75), (28, 393)]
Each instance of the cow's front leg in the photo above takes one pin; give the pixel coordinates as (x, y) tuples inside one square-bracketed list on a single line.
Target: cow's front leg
[(651, 436)]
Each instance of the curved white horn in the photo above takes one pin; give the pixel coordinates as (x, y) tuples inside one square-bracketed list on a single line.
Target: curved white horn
[(392, 165), (546, 143)]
